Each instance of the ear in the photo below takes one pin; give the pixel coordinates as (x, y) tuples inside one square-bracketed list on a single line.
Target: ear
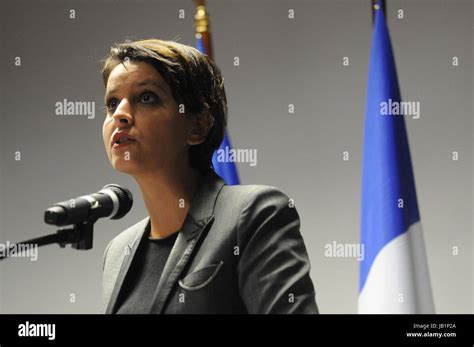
[(199, 126)]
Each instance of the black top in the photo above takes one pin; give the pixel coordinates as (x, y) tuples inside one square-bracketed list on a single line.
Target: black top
[(145, 271)]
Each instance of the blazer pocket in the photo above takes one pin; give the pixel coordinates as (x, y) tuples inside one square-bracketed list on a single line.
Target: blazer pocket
[(200, 278)]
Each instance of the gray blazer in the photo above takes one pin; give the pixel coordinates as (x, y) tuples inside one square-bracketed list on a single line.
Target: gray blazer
[(239, 251)]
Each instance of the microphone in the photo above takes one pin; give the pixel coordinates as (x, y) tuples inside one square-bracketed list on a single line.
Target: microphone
[(111, 201)]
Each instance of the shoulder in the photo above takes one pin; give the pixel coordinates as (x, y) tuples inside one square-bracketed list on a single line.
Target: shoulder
[(256, 207), (245, 195)]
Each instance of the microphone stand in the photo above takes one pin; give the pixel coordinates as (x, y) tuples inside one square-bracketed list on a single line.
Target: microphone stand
[(80, 236)]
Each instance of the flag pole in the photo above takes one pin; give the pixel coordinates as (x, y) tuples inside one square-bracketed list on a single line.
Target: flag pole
[(202, 27), (375, 5)]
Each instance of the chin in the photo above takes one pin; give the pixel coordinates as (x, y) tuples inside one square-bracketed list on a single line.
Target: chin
[(123, 166)]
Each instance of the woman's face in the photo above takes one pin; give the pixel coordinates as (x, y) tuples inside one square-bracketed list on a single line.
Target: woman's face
[(140, 105)]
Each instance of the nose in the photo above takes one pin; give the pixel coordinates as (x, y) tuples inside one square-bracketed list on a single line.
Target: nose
[(123, 114)]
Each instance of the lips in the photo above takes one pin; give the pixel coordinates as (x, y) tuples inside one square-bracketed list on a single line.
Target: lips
[(121, 138)]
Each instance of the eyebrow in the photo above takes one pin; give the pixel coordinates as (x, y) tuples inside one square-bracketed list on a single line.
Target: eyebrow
[(141, 84)]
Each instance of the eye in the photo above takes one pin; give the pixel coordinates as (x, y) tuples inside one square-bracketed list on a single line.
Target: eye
[(148, 98), (111, 104)]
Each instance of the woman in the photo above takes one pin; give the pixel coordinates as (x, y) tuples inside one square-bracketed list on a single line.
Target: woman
[(206, 247)]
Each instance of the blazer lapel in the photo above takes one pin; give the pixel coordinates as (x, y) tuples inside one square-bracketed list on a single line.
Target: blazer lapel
[(182, 250), (197, 222), (128, 257)]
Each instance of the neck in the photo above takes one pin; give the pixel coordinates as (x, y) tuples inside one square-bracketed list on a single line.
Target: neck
[(167, 197)]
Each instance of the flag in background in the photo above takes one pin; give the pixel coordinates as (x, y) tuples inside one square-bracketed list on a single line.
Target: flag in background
[(226, 169), (394, 275)]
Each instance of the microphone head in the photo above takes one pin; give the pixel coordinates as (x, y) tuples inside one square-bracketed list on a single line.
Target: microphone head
[(125, 199), (55, 215)]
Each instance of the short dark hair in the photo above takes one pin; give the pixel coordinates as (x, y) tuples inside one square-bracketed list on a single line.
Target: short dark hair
[(195, 81)]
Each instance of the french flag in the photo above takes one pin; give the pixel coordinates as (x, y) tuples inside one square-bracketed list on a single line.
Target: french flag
[(394, 275)]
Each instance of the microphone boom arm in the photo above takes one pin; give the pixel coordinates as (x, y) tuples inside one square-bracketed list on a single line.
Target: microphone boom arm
[(80, 236)]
